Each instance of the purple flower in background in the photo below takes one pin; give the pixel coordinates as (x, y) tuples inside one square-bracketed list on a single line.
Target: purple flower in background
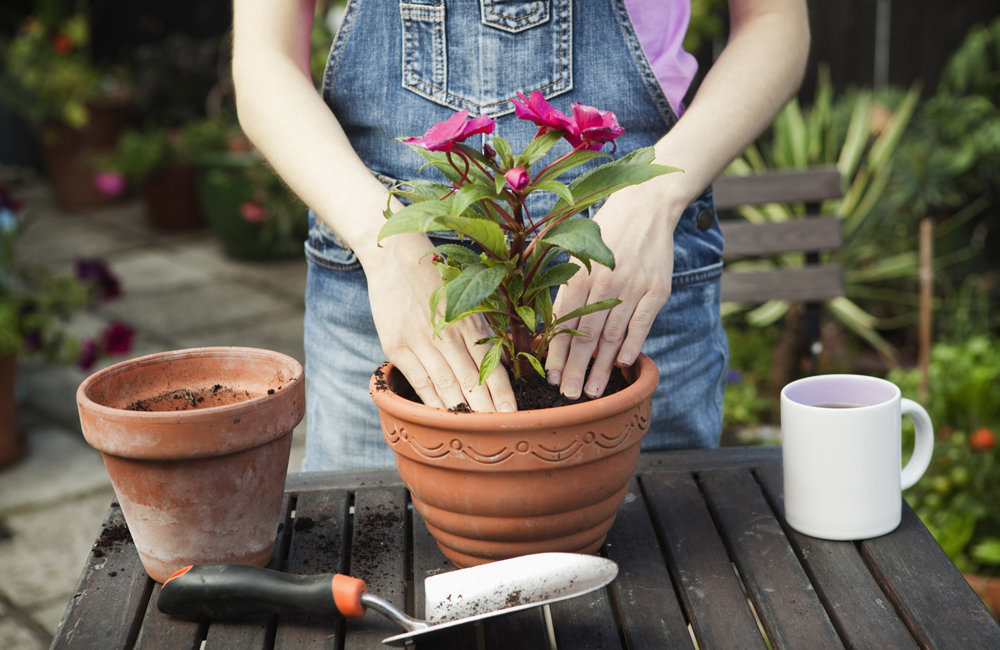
[(734, 377), (88, 354), (98, 273), (117, 337)]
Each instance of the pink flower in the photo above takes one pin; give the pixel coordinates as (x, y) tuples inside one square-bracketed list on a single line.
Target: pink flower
[(517, 178), (253, 212), (117, 337), (536, 109), (443, 136), (594, 126), (109, 183)]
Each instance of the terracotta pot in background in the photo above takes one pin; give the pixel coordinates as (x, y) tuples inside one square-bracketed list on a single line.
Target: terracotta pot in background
[(498, 485), (988, 588), (71, 155), (13, 443), (199, 473), (171, 200)]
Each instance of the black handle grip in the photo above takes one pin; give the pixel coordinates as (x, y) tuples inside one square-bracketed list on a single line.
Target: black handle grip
[(234, 591)]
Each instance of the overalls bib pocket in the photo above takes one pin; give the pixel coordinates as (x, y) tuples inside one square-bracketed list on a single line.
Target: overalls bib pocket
[(520, 45)]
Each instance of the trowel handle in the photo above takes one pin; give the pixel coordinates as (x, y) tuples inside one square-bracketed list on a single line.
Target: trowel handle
[(234, 591)]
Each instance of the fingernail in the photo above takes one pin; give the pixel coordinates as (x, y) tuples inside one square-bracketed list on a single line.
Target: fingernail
[(507, 407), (571, 391), (553, 377), (594, 391), (625, 361)]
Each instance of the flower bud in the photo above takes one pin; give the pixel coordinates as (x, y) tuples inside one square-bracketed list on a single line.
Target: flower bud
[(517, 178)]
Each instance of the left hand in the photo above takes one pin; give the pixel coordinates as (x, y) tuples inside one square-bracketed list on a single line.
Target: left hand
[(641, 237)]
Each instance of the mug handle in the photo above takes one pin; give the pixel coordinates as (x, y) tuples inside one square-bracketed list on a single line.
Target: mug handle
[(923, 446)]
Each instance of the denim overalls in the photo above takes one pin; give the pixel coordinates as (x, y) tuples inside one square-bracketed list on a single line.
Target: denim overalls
[(397, 68)]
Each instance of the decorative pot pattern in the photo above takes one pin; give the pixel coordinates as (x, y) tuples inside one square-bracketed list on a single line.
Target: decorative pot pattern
[(497, 485), (201, 473)]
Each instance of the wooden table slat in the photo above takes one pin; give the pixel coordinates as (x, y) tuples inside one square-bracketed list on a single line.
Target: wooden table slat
[(650, 611), (379, 557), (316, 545), (111, 595), (717, 608), (928, 590), (790, 611), (862, 613), (428, 560)]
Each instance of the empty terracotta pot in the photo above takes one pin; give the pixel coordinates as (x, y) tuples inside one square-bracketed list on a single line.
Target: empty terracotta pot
[(196, 443), (497, 485)]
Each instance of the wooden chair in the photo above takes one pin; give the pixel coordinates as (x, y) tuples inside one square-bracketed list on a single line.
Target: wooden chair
[(814, 282)]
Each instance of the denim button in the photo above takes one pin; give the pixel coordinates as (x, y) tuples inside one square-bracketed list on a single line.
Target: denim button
[(704, 219)]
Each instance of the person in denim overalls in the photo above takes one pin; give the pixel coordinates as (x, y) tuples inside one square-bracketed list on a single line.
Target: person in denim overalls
[(397, 68)]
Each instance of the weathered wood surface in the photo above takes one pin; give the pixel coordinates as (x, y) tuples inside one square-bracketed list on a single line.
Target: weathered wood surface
[(782, 186), (703, 553)]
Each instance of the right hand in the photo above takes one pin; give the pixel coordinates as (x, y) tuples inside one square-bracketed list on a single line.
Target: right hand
[(443, 370)]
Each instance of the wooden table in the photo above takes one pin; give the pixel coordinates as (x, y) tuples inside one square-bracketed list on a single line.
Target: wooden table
[(702, 549)]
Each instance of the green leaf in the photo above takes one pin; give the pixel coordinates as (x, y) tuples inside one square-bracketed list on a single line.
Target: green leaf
[(537, 148), (577, 159), (588, 309), (502, 147), (468, 290), (486, 233), (555, 187), (527, 315), (556, 275), (416, 217), (582, 238), (457, 253), (490, 361), (469, 194), (596, 184), (421, 190), (535, 363)]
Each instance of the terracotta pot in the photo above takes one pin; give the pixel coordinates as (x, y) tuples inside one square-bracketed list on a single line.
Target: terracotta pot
[(200, 472), (71, 155), (988, 588), (13, 443), (170, 197), (497, 485)]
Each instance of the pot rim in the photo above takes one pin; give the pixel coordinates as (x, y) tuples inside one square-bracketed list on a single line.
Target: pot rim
[(84, 400), (647, 376)]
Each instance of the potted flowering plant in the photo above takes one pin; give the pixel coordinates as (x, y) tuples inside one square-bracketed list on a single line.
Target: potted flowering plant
[(523, 459), (78, 108), (159, 162), (35, 307)]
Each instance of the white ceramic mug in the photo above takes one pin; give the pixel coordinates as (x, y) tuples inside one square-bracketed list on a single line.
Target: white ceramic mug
[(842, 452)]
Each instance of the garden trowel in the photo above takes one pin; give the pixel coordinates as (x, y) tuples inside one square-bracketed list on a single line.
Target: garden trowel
[(233, 591)]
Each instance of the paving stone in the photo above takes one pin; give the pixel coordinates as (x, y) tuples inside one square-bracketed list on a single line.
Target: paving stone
[(60, 466), (66, 532)]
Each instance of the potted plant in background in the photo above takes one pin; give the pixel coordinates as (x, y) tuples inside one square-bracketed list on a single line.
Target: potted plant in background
[(35, 309), (957, 498), (78, 108), (249, 210), (158, 162), (494, 485)]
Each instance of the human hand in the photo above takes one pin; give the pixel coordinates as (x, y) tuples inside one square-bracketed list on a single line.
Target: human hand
[(443, 370), (641, 239)]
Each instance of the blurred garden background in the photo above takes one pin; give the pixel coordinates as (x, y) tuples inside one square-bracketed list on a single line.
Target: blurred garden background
[(108, 101)]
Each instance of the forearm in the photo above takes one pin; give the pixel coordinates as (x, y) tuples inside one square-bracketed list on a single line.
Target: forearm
[(287, 120), (760, 68)]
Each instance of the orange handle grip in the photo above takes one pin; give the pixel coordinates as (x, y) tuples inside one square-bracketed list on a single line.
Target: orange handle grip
[(347, 595)]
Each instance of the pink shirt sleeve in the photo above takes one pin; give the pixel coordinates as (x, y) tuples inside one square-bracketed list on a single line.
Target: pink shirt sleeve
[(660, 26)]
